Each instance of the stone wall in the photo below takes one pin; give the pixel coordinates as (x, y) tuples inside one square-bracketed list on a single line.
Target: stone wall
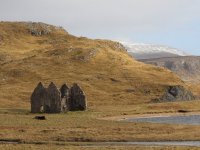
[(65, 96), (54, 100), (77, 98), (38, 98)]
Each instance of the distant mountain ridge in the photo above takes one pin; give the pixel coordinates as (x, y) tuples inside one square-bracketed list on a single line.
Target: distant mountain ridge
[(149, 51), (187, 67), (184, 65)]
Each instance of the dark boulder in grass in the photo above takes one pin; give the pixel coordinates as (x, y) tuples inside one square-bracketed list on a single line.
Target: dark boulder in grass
[(40, 117)]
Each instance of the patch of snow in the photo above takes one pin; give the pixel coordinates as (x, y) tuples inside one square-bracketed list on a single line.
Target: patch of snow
[(142, 48)]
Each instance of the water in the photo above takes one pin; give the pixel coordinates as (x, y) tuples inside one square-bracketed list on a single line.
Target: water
[(164, 143), (187, 120), (102, 144)]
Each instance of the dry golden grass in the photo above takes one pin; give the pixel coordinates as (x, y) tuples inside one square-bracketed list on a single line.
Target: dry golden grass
[(103, 68), (88, 127), (195, 87), (106, 73)]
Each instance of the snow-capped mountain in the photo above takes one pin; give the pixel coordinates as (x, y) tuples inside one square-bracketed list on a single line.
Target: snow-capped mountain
[(148, 51)]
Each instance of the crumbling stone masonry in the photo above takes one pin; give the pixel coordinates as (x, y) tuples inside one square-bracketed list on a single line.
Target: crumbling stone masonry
[(77, 98), (38, 99), (65, 97), (54, 100)]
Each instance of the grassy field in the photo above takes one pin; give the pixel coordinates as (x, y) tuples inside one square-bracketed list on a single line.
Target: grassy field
[(115, 84), (88, 127), (75, 130)]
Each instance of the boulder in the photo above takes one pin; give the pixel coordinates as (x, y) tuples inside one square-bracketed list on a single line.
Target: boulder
[(177, 93), (77, 100), (40, 117)]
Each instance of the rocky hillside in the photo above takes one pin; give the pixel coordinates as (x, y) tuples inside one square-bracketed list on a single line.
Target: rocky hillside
[(188, 67), (33, 52)]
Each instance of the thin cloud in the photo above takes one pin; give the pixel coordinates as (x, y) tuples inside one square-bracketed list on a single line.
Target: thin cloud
[(114, 19)]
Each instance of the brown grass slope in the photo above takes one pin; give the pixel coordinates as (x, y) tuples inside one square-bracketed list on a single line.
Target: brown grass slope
[(103, 68)]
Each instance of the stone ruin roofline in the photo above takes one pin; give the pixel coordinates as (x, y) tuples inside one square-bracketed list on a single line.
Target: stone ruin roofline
[(54, 100)]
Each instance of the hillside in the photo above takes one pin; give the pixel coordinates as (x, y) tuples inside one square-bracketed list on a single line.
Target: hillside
[(33, 52), (187, 67), (150, 51), (115, 85)]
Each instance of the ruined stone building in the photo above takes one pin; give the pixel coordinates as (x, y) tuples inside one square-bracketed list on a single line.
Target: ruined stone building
[(54, 100)]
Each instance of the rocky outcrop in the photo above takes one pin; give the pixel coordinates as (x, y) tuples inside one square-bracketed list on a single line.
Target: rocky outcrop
[(77, 98), (54, 100), (40, 29), (177, 93), (187, 67)]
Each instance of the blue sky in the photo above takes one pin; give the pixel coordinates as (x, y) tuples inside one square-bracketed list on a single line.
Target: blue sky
[(175, 23)]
